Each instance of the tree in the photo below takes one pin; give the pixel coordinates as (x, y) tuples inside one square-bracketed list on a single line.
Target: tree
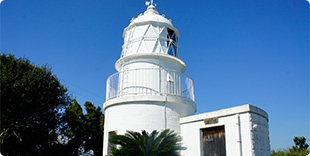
[(32, 104), (75, 130), (300, 143), (95, 125), (166, 143), (84, 130), (300, 149)]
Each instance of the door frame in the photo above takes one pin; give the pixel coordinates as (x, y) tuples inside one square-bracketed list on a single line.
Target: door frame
[(201, 136)]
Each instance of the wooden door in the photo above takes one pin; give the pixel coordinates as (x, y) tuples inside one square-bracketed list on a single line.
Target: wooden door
[(213, 140)]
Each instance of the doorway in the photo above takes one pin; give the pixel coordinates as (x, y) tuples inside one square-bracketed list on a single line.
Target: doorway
[(213, 141)]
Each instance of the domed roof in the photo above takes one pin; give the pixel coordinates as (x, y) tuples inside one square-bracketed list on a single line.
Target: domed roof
[(149, 16)]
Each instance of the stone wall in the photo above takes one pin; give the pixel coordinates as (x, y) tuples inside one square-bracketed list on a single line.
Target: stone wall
[(260, 135)]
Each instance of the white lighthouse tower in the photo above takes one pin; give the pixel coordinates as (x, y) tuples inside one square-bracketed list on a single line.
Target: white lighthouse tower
[(150, 90)]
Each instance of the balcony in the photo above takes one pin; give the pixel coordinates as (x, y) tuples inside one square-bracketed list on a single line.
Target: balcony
[(150, 81)]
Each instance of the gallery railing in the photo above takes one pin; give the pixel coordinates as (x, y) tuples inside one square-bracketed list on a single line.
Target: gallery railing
[(150, 81)]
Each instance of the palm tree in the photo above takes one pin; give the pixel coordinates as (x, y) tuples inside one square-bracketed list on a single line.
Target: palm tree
[(166, 143)]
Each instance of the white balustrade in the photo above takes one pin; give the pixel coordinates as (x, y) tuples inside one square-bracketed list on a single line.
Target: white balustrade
[(150, 81)]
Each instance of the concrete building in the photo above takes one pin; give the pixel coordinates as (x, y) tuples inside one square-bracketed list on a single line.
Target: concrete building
[(237, 131), (151, 92)]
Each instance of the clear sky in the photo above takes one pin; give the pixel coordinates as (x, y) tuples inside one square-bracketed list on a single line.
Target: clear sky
[(237, 51)]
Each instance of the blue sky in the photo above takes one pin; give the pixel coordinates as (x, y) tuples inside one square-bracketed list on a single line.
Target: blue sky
[(237, 51)]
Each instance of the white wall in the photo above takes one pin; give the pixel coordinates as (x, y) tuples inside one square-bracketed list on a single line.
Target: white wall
[(136, 114), (246, 131)]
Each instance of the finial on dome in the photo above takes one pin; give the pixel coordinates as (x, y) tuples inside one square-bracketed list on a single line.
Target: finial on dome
[(148, 3), (151, 7)]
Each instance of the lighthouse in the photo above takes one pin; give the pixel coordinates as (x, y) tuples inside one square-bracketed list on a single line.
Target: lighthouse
[(150, 90)]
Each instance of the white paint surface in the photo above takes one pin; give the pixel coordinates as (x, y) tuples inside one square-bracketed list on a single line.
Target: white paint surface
[(246, 131), (148, 94)]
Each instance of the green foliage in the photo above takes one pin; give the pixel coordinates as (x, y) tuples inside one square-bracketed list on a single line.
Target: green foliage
[(166, 143), (300, 144), (84, 130), (95, 125), (300, 148), (75, 130), (32, 103), (288, 152), (38, 117)]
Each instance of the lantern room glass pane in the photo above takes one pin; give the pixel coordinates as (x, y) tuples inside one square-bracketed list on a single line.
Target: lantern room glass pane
[(171, 42)]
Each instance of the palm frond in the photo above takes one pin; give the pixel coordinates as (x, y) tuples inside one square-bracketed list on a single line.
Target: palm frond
[(165, 143)]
